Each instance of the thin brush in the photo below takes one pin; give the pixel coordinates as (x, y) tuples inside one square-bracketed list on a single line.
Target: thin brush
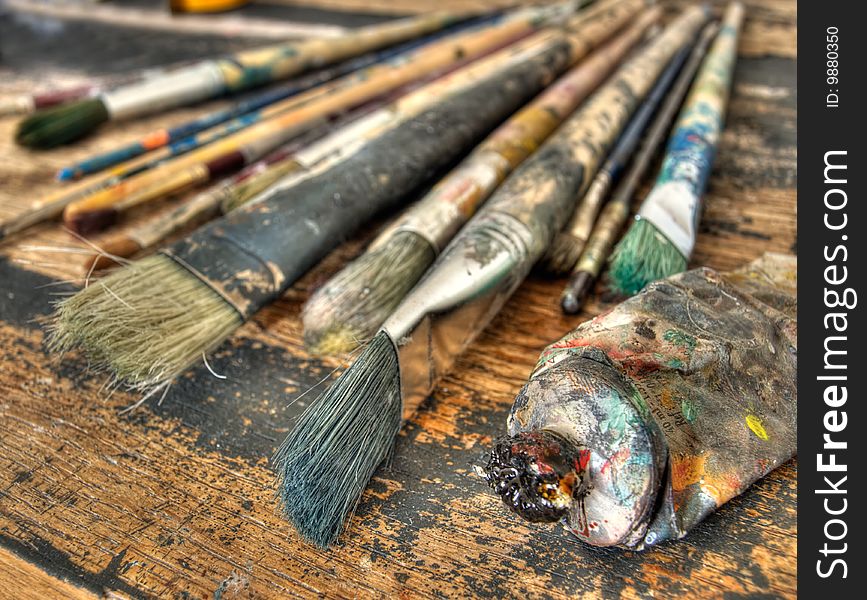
[(567, 246), (350, 308), (660, 240), (298, 156), (616, 211), (332, 451), (212, 78), (180, 135), (96, 211), (247, 259)]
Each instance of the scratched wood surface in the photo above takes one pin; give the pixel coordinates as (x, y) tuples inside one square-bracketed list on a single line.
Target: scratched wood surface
[(177, 499)]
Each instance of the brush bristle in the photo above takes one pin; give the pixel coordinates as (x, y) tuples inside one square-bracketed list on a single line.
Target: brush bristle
[(111, 249), (562, 255), (145, 323), (350, 308), (643, 255), (330, 455), (62, 124)]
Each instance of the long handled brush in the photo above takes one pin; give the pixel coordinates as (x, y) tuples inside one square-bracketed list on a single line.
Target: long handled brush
[(329, 456), (149, 321), (567, 246), (356, 301), (209, 79), (300, 155), (94, 212), (616, 211), (300, 112), (179, 136), (660, 240)]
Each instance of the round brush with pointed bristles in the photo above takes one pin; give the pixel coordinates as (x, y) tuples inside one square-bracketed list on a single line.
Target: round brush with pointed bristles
[(351, 306), (660, 240), (61, 124), (331, 452), (250, 257), (212, 78)]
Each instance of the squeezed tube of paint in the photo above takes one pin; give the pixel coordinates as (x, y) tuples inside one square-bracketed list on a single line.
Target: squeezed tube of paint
[(641, 422)]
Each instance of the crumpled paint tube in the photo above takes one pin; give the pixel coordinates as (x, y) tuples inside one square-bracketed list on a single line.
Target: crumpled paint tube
[(638, 424)]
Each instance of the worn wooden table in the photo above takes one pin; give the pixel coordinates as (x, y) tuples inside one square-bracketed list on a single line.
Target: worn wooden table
[(177, 499)]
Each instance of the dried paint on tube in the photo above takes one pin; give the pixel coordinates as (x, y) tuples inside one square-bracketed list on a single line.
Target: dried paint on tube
[(638, 424)]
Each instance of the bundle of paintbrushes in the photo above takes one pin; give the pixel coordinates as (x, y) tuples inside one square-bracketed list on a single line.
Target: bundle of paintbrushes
[(594, 253), (149, 321), (660, 240), (638, 424), (213, 78), (353, 305), (95, 203), (329, 456), (182, 138), (297, 156)]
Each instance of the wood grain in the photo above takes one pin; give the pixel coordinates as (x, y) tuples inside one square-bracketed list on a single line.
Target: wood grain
[(176, 499)]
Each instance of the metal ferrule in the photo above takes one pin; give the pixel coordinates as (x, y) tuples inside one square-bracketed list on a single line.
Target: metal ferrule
[(460, 295)]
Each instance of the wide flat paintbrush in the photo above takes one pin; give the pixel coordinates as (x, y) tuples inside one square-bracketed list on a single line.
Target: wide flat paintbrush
[(616, 211), (329, 456), (149, 321), (211, 78), (355, 302), (182, 137), (660, 240), (96, 211), (567, 246)]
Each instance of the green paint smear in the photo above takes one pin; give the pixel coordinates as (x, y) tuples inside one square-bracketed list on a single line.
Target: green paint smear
[(688, 410), (680, 339)]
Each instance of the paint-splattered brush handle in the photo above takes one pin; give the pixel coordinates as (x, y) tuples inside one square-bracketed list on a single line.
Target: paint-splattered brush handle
[(616, 211), (441, 213), (27, 103), (252, 68), (581, 223), (674, 205), (489, 258)]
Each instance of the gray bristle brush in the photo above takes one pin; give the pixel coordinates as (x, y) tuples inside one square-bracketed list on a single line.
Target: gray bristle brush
[(332, 451), (660, 240), (148, 322), (349, 309)]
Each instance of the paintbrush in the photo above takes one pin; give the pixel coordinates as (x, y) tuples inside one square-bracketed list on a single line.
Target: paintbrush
[(94, 212), (566, 249), (616, 211), (149, 321), (180, 135), (298, 156), (212, 78), (356, 301), (330, 454), (441, 58), (660, 240)]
